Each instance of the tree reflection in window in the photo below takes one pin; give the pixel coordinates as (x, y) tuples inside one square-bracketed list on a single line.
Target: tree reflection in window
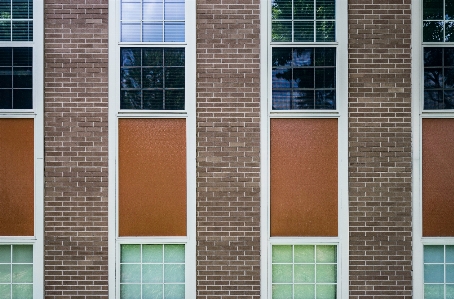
[(304, 78), (438, 21), (152, 78), (438, 78)]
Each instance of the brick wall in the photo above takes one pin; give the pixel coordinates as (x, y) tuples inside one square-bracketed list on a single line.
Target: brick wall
[(380, 149), (76, 149), (228, 118)]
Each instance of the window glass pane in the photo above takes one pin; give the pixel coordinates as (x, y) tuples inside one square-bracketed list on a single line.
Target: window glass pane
[(304, 10), (433, 31), (449, 32), (325, 9), (326, 291), (449, 254), (304, 31), (432, 9), (325, 31), (5, 253), (174, 253), (130, 291), (449, 10), (22, 291), (130, 11), (152, 32), (305, 291), (433, 291), (22, 254), (304, 273), (433, 254), (282, 254), (438, 78), (130, 32), (304, 253), (130, 254), (153, 11), (281, 31), (174, 291), (5, 273), (282, 273), (282, 9), (152, 253), (282, 291), (152, 291), (174, 32), (174, 11), (152, 273), (326, 254)]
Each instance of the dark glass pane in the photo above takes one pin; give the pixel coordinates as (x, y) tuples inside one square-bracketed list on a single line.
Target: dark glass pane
[(325, 78), (325, 99), (22, 9), (432, 31), (303, 78), (6, 100), (325, 9), (449, 56), (281, 78), (174, 100), (433, 99), (6, 76), (22, 77), (449, 32), (282, 57), (174, 57), (22, 30), (281, 100), (6, 58), (304, 31), (449, 10), (449, 78), (22, 99), (303, 99), (174, 77), (325, 56), (152, 78), (303, 9), (5, 9), (153, 100), (325, 31), (432, 9), (130, 57), (281, 31), (130, 78), (449, 99), (281, 9), (433, 78), (433, 57), (23, 56), (303, 57), (153, 57), (130, 99), (5, 30)]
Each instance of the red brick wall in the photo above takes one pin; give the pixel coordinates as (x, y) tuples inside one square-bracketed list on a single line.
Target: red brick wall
[(380, 148), (228, 145), (76, 148)]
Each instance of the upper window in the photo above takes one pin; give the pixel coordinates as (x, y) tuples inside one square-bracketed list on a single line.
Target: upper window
[(303, 74), (438, 21), (16, 20)]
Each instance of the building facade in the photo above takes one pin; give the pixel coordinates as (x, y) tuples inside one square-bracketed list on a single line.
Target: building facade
[(226, 149)]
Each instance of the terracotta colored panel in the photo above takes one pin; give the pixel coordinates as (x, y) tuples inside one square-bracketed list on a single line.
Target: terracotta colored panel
[(438, 177), (152, 177), (16, 177), (304, 179)]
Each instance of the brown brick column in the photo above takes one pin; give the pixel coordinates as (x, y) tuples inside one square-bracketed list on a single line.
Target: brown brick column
[(228, 149), (76, 149), (380, 149)]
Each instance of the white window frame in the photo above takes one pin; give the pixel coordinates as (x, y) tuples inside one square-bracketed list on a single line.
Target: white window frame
[(115, 113), (37, 114), (340, 113), (418, 114)]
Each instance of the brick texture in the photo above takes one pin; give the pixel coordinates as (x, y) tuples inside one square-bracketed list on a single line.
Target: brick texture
[(380, 148), (228, 118), (76, 148)]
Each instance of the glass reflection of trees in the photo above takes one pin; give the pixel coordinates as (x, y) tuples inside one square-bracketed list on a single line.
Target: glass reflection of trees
[(152, 78), (438, 78), (438, 21), (304, 78)]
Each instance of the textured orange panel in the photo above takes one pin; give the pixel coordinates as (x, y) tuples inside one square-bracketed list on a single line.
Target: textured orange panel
[(438, 177), (304, 179), (152, 177), (16, 177)]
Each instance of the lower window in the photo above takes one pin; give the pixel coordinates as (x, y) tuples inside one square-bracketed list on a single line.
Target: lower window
[(152, 271), (438, 271), (304, 271), (16, 271)]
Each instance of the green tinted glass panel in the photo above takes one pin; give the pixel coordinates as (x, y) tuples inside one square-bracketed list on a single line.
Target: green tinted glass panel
[(5, 253), (304, 273), (304, 291), (5, 273), (325, 291), (152, 273), (174, 273), (326, 273), (326, 254), (130, 291), (282, 254), (450, 273), (433, 291), (153, 291), (152, 253), (174, 291), (282, 291), (5, 291), (433, 273), (130, 273), (282, 273), (450, 291), (433, 254), (130, 254), (22, 254), (304, 253), (22, 291), (22, 273), (449, 253), (174, 253)]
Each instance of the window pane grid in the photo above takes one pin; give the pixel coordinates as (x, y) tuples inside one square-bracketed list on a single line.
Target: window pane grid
[(304, 271), (16, 271), (438, 21), (438, 271), (16, 20), (152, 271), (152, 21), (303, 21)]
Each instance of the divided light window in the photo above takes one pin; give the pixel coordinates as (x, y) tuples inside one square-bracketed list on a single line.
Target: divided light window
[(438, 36), (152, 76), (303, 54)]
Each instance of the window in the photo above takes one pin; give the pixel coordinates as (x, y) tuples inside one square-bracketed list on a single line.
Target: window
[(305, 109), (438, 271), (21, 149), (152, 124)]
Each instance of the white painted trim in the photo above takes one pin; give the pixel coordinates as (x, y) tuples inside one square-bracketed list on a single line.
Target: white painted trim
[(189, 114)]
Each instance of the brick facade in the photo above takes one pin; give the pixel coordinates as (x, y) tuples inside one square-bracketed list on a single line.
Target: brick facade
[(76, 104), (380, 149)]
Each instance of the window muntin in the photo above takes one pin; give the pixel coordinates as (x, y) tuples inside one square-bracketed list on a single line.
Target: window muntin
[(152, 78), (16, 271), (438, 271), (304, 271), (16, 78), (16, 20), (303, 78), (152, 270), (152, 21)]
